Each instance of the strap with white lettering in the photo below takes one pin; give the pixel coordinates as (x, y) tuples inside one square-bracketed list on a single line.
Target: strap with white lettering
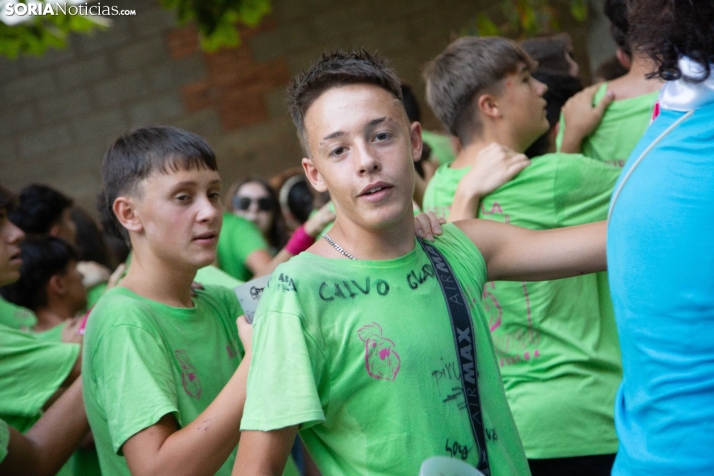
[(464, 339)]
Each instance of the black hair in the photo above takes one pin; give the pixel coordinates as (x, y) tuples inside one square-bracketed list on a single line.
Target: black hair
[(39, 208), (134, 156), (8, 200), (561, 87), (616, 12), (90, 242), (42, 258), (339, 68), (297, 197), (666, 30), (411, 105)]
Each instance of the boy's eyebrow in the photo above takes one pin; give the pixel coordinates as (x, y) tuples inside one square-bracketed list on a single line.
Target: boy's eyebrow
[(523, 68), (187, 183), (370, 124)]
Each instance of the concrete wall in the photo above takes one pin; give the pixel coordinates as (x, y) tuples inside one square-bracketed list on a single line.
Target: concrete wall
[(59, 112)]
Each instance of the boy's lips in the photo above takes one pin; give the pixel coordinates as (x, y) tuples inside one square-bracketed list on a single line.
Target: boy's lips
[(206, 238), (15, 259), (375, 191)]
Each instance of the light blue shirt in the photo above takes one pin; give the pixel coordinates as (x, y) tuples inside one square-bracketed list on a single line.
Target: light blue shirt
[(660, 253)]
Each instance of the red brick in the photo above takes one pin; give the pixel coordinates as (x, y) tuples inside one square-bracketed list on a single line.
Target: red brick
[(183, 41), (197, 96), (242, 108)]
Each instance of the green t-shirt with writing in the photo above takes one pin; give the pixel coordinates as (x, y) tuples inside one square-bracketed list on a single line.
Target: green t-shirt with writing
[(620, 129), (31, 371), (238, 239), (16, 317), (361, 355), (143, 360), (556, 341)]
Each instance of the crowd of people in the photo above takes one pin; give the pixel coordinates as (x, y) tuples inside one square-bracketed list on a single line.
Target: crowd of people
[(530, 291)]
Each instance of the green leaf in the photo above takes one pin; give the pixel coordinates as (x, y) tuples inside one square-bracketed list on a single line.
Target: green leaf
[(579, 9), (485, 26)]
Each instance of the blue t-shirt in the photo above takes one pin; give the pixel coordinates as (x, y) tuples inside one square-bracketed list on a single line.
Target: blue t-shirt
[(660, 253)]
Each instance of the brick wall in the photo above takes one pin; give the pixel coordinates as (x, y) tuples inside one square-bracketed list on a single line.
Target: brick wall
[(59, 112)]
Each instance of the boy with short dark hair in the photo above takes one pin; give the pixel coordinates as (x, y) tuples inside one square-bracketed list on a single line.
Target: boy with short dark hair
[(50, 285), (42, 210), (161, 388), (356, 332), (555, 340)]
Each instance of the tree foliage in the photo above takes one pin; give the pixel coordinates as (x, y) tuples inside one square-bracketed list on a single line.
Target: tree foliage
[(525, 18), (217, 21)]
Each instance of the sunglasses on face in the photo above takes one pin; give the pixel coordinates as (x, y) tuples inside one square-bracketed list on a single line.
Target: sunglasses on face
[(265, 204)]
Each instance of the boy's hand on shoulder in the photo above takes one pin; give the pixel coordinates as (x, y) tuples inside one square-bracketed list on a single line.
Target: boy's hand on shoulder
[(581, 118), (245, 332), (493, 166), (428, 225), (93, 273)]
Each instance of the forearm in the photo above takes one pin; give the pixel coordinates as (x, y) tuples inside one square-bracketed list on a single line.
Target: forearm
[(52, 440), (202, 446), (264, 452), (464, 206), (571, 144), (539, 255)]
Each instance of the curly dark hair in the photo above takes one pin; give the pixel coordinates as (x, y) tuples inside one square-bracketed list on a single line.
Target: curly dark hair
[(665, 30), (616, 12)]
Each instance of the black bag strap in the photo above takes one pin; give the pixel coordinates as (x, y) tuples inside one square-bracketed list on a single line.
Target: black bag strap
[(464, 340)]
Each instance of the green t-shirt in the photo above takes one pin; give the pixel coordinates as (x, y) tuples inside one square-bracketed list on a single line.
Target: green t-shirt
[(215, 276), (51, 335), (31, 371), (556, 341), (15, 316), (361, 355), (94, 293), (143, 360), (238, 239), (440, 146), (4, 440), (621, 128)]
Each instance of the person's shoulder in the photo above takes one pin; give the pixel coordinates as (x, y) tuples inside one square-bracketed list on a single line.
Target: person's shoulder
[(120, 306), (216, 294)]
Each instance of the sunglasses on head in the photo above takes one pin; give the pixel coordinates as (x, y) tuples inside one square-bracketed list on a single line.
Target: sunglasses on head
[(265, 204)]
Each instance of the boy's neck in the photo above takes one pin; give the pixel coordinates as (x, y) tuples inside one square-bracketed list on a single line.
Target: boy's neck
[(154, 279), (465, 157), (366, 244), (635, 83), (49, 317)]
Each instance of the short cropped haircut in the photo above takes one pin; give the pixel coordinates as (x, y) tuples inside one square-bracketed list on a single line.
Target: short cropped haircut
[(616, 12), (8, 200), (665, 30), (42, 258), (468, 67), (39, 209), (334, 70), (134, 156)]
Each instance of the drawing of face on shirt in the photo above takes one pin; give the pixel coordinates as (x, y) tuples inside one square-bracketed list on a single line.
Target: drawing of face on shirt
[(189, 378), (380, 359)]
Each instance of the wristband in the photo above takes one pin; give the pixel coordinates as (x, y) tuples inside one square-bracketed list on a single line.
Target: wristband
[(299, 242)]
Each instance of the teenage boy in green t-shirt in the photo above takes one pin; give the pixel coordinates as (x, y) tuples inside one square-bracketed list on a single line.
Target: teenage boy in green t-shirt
[(358, 353), (164, 369), (555, 341)]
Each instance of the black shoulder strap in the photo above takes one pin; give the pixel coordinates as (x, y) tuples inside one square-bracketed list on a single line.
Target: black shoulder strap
[(464, 339)]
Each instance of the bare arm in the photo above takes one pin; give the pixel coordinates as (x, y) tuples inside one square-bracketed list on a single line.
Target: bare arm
[(519, 254), (52, 440), (491, 167), (202, 446), (264, 453), (581, 118)]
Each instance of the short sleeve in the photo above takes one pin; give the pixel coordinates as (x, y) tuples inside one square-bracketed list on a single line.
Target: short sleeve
[(284, 376), (31, 371), (134, 380), (582, 189), (4, 440)]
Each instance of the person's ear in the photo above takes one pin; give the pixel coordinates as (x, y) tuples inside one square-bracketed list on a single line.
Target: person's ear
[(124, 209), (55, 230), (416, 141), (623, 58), (487, 105), (313, 175), (57, 285)]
